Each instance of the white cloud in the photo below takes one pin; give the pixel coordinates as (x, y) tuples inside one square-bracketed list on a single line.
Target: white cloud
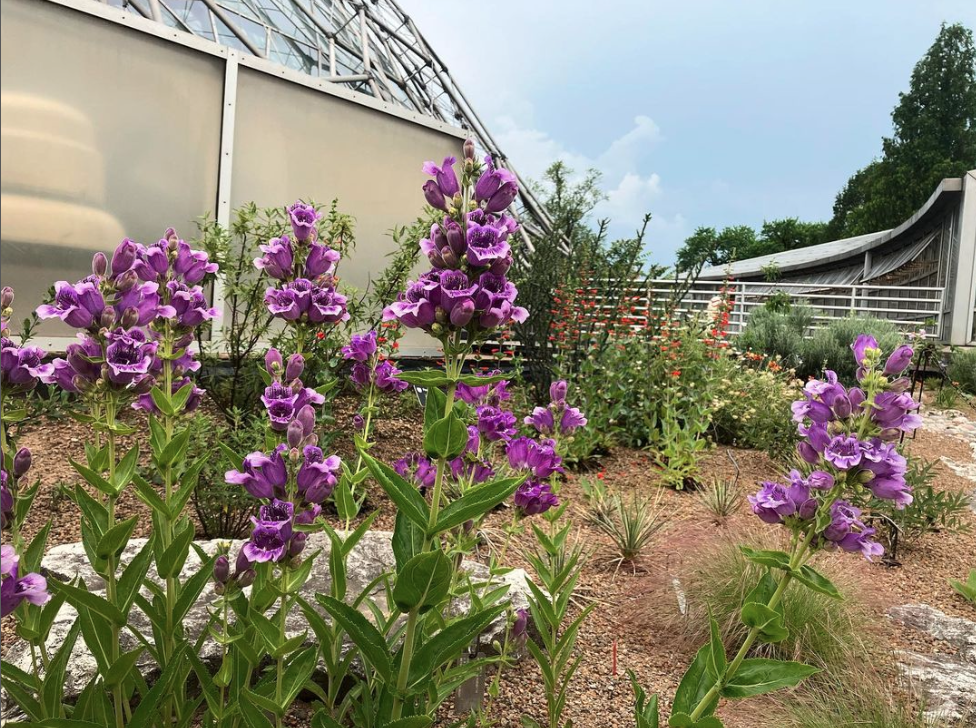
[(630, 192)]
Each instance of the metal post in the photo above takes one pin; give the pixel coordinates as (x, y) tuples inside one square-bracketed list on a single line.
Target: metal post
[(225, 171)]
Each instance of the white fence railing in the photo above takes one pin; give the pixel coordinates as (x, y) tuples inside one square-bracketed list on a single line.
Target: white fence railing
[(909, 307)]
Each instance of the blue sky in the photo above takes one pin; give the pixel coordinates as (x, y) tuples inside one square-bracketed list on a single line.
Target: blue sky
[(703, 112)]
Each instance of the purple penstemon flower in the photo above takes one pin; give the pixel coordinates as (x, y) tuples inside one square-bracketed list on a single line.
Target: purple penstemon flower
[(303, 218), (539, 458), (532, 498), (16, 589), (844, 452), (190, 307), (862, 344), (129, 355), (361, 347), (321, 261), (6, 501), (278, 260), (385, 378), (266, 544), (487, 241), (542, 420), (79, 305), (303, 300), (416, 307), (444, 177), (491, 180), (495, 424), (23, 366), (317, 475), (455, 288), (418, 469), (262, 476)]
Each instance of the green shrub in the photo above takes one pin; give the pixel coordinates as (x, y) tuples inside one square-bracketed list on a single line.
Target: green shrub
[(864, 700), (962, 370), (774, 330), (830, 347)]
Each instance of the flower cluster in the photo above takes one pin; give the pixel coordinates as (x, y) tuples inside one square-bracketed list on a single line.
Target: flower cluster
[(286, 397), (849, 441), (123, 308), (293, 480), (23, 366), (558, 417), (370, 367), (469, 251), (304, 270)]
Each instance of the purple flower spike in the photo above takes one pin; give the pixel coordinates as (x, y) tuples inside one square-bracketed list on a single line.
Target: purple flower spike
[(444, 176)]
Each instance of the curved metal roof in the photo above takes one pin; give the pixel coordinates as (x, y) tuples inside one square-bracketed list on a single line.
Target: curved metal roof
[(368, 46), (793, 261)]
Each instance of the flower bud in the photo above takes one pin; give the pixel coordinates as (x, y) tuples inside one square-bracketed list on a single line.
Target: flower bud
[(520, 625), (99, 264), (467, 149), (126, 281), (842, 407), (306, 418), (462, 313), (500, 267), (807, 452), (246, 578), (221, 570), (448, 259), (22, 462), (243, 563), (295, 434), (273, 362), (455, 237), (171, 238), (183, 342), (123, 257), (902, 384), (108, 318), (6, 297), (142, 385), (295, 367), (130, 317), (358, 422), (297, 544), (558, 390)]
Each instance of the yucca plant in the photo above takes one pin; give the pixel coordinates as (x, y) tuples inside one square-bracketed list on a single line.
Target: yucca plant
[(631, 524), (966, 589), (723, 497)]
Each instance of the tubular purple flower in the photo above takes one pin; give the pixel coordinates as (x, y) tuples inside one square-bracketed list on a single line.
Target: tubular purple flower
[(143, 299), (321, 261), (899, 360), (273, 363), (317, 475), (503, 198), (385, 377), (435, 198), (99, 266), (418, 469), (361, 347), (80, 305), (558, 391), (772, 503), (520, 626), (22, 462), (192, 266), (532, 498), (277, 514), (539, 458), (491, 180), (820, 480), (444, 176), (455, 289), (862, 344), (495, 424), (303, 218), (266, 544), (486, 242), (221, 569), (123, 257), (23, 367), (189, 305), (462, 314), (542, 420), (129, 355), (572, 419), (278, 260), (844, 452), (360, 375), (262, 476)]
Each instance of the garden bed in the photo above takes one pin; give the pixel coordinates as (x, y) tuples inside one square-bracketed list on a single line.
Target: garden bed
[(636, 624)]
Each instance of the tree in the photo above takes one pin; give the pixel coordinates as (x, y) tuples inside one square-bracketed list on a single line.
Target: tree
[(934, 137)]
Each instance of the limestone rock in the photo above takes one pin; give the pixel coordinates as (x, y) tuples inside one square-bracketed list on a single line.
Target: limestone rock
[(372, 556)]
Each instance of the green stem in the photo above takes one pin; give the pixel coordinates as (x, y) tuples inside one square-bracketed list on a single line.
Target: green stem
[(796, 560), (282, 617), (409, 638), (110, 580)]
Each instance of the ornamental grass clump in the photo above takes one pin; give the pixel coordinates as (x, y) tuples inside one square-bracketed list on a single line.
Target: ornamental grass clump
[(849, 447)]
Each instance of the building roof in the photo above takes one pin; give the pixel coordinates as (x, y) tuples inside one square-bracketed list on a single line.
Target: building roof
[(841, 253)]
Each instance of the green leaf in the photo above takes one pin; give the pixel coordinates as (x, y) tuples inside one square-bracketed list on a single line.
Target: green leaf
[(174, 557), (414, 721), (768, 621), (297, 673), (181, 397), (236, 461), (120, 669), (35, 550), (148, 495), (694, 685), (683, 720), (193, 587), (426, 378), (645, 711), (94, 479), (763, 557), (423, 582), (405, 495), (116, 538), (64, 723), (254, 717), (450, 642), (126, 469), (52, 691), (813, 579), (756, 676), (477, 380), (446, 438), (323, 720), (716, 654), (147, 712), (162, 401), (435, 407), (84, 599), (476, 502), (175, 449), (408, 539)]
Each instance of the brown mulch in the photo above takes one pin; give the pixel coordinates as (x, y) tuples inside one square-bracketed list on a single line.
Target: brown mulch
[(635, 609)]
